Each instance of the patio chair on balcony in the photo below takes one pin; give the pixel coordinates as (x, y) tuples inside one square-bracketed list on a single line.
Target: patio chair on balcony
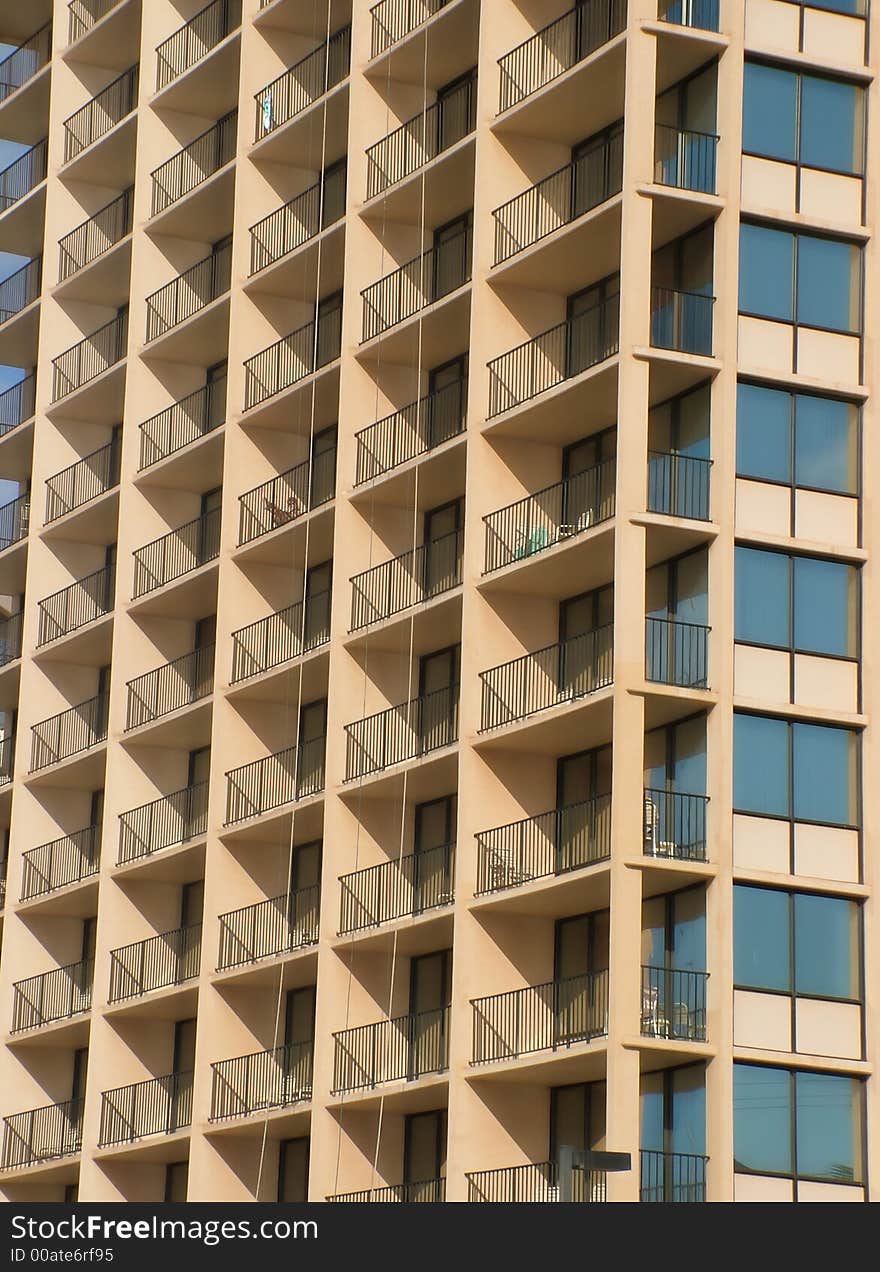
[(529, 542), (654, 846), (583, 522), (281, 515), (505, 868)]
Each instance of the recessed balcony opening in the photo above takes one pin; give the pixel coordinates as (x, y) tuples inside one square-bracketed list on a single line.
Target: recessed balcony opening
[(675, 802), (296, 89), (276, 1077), (101, 113), (686, 140), (681, 294), (160, 1105), (417, 1159), (672, 1160), (279, 925)]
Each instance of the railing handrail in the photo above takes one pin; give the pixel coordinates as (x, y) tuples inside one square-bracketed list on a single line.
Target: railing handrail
[(61, 1137), (595, 976), (264, 764), (419, 589), (381, 155), (131, 75), (379, 30), (376, 885), (23, 395), (148, 700), (204, 518), (92, 713), (33, 268), (209, 392), (68, 263), (90, 836), (166, 71), (111, 449), (676, 622), (606, 464), (541, 41), (371, 296), (546, 649), (30, 43), (190, 824), (216, 267), (177, 943), (309, 498), (78, 25), (291, 74), (308, 211), (449, 689), (310, 364), (43, 605), (179, 157), (421, 406), (279, 617), (274, 1077), (389, 1022), (299, 908), (549, 331), (34, 163), (121, 322)]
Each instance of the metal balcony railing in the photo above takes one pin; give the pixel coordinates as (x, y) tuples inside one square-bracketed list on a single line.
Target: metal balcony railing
[(163, 823), (15, 518), (676, 653), (192, 165), (7, 758), (190, 292), (422, 138), (101, 113), (417, 882), (178, 683), (69, 732), (276, 780), (553, 843), (555, 674), (90, 357), (422, 1190), (159, 1106), (674, 1003), (23, 63), (400, 733), (406, 580), (17, 404), (287, 497), (176, 553), (22, 175), (10, 638), (557, 47), (678, 485), (685, 159), (76, 605), (85, 13), (534, 1182), (554, 356), (168, 959), (55, 995), (560, 198), (279, 637), (552, 515), (672, 1176), (42, 1135), (401, 1049), (395, 19), (83, 481), (63, 861), (194, 39), (183, 422), (96, 235), (20, 289), (416, 284), (674, 825), (262, 1080), (298, 220), (292, 358), (412, 431), (702, 14), (307, 80), (540, 1017), (681, 321), (268, 928)]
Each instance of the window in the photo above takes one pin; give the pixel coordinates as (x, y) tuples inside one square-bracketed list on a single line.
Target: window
[(803, 119), (807, 772), (797, 439), (672, 1135), (800, 1124), (796, 943), (801, 603), (800, 278)]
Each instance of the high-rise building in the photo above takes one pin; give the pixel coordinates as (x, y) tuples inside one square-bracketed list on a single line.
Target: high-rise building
[(438, 715)]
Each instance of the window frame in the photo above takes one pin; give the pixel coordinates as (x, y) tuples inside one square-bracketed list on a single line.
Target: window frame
[(797, 324)]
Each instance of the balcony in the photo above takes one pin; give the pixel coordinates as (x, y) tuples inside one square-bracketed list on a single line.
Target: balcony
[(410, 579), (393, 20), (551, 516), (291, 359), (191, 42), (84, 14), (414, 430), (405, 732), (417, 284), (7, 758), (261, 1081), (163, 823), (269, 928), (540, 1017), (96, 235), (681, 321), (553, 843), (678, 485), (159, 1106), (279, 779), (90, 357), (17, 404), (566, 194), (192, 165), (169, 959), (700, 14), (179, 552), (554, 356), (23, 175), (287, 497), (674, 1004), (10, 638), (64, 861), (685, 159), (42, 1135), (558, 47), (307, 80), (540, 1181), (20, 289), (83, 481), (101, 113), (15, 519), (176, 684), (551, 676), (276, 639), (406, 888), (675, 825), (194, 416), (69, 733), (676, 653), (423, 1190), (398, 1050), (672, 1176), (23, 63), (75, 606), (422, 138), (297, 221), (190, 292), (55, 995)]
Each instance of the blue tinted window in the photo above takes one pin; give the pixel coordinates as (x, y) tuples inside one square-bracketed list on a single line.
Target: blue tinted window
[(831, 124), (826, 946), (824, 762), (763, 433), (828, 284), (766, 263), (824, 606), (826, 436), (770, 112), (762, 597), (689, 1110), (829, 1127), (761, 939), (760, 765), (762, 1119)]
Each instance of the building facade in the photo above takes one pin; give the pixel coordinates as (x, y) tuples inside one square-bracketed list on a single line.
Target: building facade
[(436, 686)]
